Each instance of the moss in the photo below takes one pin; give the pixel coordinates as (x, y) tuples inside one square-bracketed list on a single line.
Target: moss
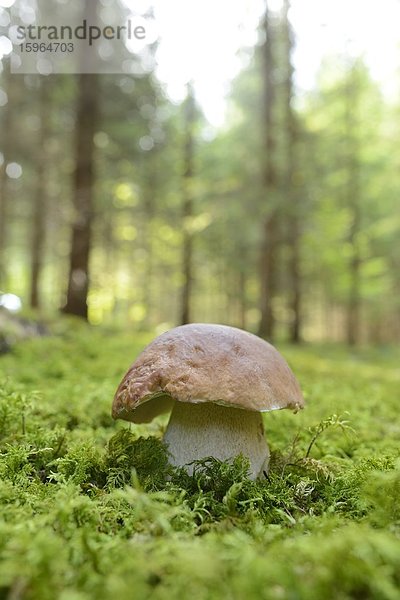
[(90, 508), (147, 457)]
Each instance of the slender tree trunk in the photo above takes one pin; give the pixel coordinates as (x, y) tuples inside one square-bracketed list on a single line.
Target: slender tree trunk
[(292, 198), (187, 269), (270, 239), (353, 202), (150, 212), (40, 199), (354, 300), (242, 298), (187, 212), (3, 223), (78, 280), (5, 149), (295, 280)]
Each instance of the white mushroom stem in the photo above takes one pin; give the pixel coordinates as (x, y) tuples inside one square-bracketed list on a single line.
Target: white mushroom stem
[(196, 431)]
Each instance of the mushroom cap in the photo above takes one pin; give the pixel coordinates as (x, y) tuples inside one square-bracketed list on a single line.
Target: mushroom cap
[(206, 363)]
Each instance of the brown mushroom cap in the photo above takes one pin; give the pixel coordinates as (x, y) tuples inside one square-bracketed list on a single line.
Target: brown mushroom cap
[(206, 363)]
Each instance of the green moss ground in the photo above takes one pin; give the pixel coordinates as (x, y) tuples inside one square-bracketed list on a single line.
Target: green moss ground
[(90, 510)]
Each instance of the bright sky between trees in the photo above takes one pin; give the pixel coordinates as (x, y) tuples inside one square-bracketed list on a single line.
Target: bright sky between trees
[(199, 39)]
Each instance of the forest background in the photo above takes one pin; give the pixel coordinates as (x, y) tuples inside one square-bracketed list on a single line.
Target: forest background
[(121, 203)]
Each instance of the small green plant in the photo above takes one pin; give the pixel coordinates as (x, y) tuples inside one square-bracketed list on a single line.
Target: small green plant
[(333, 421), (15, 408)]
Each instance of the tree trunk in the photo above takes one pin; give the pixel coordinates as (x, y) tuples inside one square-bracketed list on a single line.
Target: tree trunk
[(353, 202), (40, 200), (150, 210), (293, 212), (3, 221), (295, 280), (187, 212), (268, 276), (269, 246), (354, 300), (242, 284), (78, 280), (5, 149)]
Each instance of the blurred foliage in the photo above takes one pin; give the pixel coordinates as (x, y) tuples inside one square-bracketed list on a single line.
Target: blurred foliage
[(136, 260)]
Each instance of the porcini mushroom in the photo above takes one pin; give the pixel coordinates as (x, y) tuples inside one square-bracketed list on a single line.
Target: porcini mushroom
[(217, 380)]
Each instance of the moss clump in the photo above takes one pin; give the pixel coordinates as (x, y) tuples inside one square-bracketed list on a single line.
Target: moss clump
[(147, 457)]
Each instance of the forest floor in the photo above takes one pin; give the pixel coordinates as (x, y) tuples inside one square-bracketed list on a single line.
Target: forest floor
[(77, 522)]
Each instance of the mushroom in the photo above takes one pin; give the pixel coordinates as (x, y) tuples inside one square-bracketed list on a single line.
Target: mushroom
[(217, 380)]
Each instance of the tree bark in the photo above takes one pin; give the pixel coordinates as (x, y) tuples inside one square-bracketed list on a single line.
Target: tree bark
[(150, 210), (293, 212), (5, 149), (353, 192), (187, 209), (268, 276), (242, 284), (40, 200), (295, 280), (354, 299), (78, 280)]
